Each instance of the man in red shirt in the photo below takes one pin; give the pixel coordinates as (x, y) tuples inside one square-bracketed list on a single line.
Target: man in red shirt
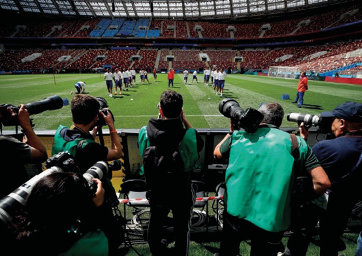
[(302, 87), (170, 76), (154, 74)]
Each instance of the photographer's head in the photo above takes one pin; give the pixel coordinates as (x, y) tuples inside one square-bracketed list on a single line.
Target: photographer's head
[(85, 109), (347, 118), (170, 104), (273, 113), (56, 202)]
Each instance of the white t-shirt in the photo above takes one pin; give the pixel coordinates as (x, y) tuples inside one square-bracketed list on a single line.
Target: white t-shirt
[(217, 75), (195, 73), (186, 73), (118, 75), (207, 72), (222, 75), (108, 76), (125, 74), (133, 72)]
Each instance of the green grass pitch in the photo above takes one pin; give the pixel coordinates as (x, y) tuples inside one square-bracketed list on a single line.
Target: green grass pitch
[(134, 107)]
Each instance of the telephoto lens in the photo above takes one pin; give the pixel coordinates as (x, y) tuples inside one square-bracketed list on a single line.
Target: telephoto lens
[(309, 120), (96, 171), (16, 199), (50, 103)]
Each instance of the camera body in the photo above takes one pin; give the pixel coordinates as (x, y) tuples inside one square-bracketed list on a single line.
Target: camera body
[(322, 122), (49, 103), (248, 120), (100, 170), (103, 105)]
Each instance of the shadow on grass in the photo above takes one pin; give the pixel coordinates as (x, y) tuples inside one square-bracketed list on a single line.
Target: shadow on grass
[(309, 106), (118, 97)]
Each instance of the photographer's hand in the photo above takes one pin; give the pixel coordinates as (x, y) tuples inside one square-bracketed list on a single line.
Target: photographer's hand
[(304, 133), (116, 151), (108, 119), (38, 150), (184, 120), (98, 199)]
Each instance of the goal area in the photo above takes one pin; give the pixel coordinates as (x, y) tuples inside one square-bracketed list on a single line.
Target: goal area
[(283, 72)]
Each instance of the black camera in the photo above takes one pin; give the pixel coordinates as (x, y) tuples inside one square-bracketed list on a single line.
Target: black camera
[(36, 107), (323, 123), (101, 169), (248, 120), (17, 199), (103, 107)]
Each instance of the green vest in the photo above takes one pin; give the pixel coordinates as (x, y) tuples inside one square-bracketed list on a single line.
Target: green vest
[(259, 178), (93, 243), (187, 148), (69, 146)]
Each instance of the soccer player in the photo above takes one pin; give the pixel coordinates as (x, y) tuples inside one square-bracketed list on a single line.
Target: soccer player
[(142, 76), (194, 77), (108, 76), (146, 78), (216, 80), (222, 76), (117, 81), (133, 72), (125, 76), (80, 86), (186, 74), (206, 76)]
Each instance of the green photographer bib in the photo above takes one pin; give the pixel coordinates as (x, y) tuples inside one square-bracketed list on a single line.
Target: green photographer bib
[(259, 178), (60, 144)]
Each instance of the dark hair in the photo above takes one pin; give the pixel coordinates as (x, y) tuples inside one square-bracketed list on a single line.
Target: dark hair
[(273, 113), (56, 203), (171, 103), (84, 108)]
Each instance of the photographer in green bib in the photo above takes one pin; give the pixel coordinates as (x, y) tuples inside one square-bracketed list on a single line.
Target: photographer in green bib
[(259, 178), (89, 115)]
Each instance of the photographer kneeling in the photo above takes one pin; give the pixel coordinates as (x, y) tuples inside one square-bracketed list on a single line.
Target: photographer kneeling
[(259, 180), (61, 217)]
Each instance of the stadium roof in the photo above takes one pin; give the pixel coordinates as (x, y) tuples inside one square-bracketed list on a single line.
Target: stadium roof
[(161, 9)]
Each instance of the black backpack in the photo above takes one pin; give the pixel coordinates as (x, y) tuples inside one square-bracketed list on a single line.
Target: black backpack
[(164, 172)]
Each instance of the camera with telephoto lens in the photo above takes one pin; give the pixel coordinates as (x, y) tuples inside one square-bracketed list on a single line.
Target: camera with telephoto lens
[(103, 105), (323, 123), (11, 203), (248, 120), (36, 107), (101, 169)]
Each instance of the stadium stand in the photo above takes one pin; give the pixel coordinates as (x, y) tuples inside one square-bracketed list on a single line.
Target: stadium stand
[(163, 64), (148, 59), (181, 29), (169, 27)]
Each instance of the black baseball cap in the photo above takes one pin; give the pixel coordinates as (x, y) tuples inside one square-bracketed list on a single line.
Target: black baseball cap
[(349, 111)]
